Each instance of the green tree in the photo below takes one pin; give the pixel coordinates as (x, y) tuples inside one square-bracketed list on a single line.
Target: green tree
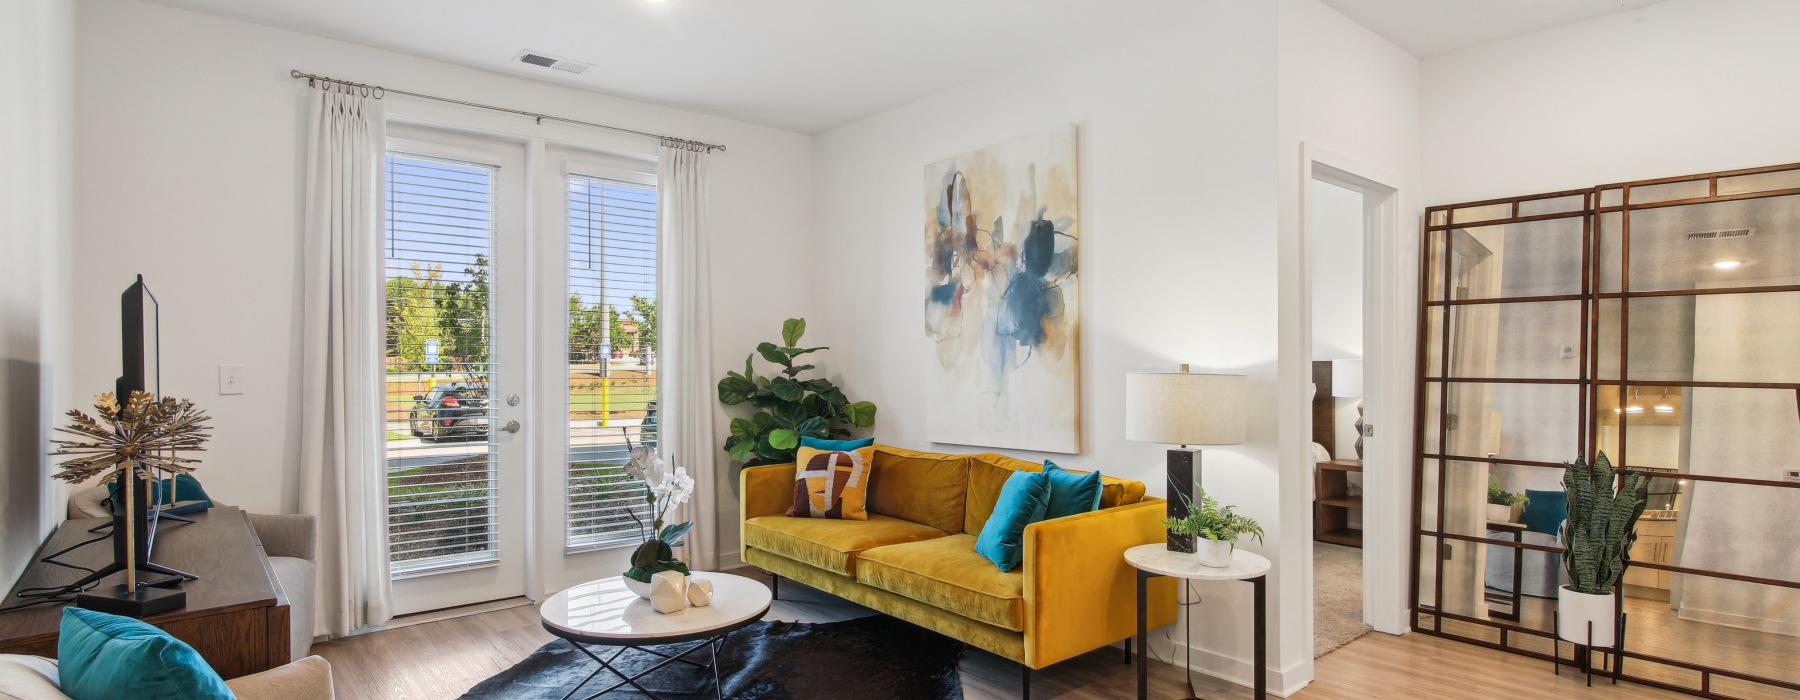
[(584, 330), (412, 314), (615, 329), (462, 319), (643, 313)]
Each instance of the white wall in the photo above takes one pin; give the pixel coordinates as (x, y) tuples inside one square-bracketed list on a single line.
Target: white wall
[(1337, 296), (1679, 87), (190, 172), (1351, 97), (1175, 145), (37, 47)]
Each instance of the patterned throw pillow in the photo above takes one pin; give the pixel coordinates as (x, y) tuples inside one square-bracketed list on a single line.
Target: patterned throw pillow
[(831, 479)]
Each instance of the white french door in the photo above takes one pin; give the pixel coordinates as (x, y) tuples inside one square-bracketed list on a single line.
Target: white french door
[(456, 306)]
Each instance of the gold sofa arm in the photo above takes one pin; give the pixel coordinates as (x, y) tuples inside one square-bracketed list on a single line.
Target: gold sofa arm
[(1080, 594), (763, 490)]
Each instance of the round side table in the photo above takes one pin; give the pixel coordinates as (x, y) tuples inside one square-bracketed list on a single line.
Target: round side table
[(605, 613), (1155, 560)]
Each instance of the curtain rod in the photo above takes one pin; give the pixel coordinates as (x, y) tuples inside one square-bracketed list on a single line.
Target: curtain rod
[(378, 92)]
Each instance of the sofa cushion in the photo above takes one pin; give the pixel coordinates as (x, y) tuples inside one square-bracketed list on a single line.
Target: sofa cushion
[(106, 657), (947, 573), (832, 545), (1022, 502), (297, 577), (28, 678), (988, 472), (924, 487), (832, 483)]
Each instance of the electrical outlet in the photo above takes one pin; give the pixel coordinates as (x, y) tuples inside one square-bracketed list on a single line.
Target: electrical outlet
[(1448, 551), (1566, 352), (1790, 474), (231, 379)]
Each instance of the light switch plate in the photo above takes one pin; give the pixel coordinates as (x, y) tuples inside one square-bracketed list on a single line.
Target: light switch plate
[(231, 379)]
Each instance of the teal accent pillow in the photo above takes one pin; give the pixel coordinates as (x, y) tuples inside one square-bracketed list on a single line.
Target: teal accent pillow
[(1546, 511), (1071, 493), (107, 657), (188, 493), (1022, 502), (836, 445)]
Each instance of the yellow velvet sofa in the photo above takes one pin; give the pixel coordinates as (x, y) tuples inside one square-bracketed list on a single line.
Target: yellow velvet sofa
[(914, 558)]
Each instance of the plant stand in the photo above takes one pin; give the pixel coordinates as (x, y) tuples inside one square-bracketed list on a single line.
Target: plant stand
[(1612, 659)]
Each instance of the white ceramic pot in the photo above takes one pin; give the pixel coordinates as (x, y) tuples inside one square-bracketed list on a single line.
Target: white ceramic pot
[(1497, 513), (1213, 553), (635, 586), (1575, 610), (668, 592)]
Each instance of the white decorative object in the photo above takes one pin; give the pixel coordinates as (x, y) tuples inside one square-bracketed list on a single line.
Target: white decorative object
[(668, 592), (1574, 611), (699, 592), (1213, 553), (642, 588)]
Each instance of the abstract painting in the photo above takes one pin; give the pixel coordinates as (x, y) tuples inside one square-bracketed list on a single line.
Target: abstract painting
[(1001, 301)]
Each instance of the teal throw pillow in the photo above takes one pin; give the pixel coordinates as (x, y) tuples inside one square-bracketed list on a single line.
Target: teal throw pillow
[(1022, 502), (188, 494), (1546, 511), (107, 657), (1071, 493), (836, 445)]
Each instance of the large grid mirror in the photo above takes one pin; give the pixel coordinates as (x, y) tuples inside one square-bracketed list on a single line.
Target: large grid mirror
[(1655, 321)]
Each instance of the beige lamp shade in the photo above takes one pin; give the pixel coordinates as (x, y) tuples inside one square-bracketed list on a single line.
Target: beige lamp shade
[(1346, 379), (1178, 408)]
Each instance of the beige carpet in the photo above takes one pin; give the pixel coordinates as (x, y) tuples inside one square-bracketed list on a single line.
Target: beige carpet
[(1337, 597)]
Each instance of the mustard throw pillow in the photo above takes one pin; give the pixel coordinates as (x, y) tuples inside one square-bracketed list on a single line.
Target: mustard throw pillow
[(831, 479)]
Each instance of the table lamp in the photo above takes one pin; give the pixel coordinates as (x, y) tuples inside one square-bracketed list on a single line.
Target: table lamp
[(1347, 383), (1181, 408)]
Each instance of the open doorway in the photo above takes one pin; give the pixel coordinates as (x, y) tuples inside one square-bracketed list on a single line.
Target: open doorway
[(1336, 238)]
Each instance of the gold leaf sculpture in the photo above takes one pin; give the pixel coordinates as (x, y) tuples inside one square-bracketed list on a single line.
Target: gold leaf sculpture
[(146, 435)]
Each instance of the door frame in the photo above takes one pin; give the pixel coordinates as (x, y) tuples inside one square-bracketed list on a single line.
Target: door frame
[(1389, 267)]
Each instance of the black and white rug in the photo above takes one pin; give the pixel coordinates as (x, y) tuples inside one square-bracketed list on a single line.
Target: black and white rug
[(868, 658)]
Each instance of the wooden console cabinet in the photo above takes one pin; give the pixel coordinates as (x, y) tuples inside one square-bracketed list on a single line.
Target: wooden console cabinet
[(1332, 502), (236, 614)]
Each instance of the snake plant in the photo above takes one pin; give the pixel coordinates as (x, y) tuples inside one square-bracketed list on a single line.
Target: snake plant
[(1602, 523)]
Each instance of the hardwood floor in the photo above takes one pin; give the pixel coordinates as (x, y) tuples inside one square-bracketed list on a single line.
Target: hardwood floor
[(443, 659)]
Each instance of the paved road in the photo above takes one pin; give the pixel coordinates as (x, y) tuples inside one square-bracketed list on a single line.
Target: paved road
[(590, 442)]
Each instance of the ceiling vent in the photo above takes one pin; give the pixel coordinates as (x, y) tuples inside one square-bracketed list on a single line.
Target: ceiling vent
[(537, 58), (1720, 234)]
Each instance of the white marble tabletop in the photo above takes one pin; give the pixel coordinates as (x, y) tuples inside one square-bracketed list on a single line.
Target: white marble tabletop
[(1157, 559), (606, 609)]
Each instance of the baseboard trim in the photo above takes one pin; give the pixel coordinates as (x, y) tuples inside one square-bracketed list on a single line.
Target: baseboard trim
[(1282, 682), (731, 560)]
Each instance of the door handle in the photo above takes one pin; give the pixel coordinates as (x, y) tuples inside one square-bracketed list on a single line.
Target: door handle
[(512, 426)]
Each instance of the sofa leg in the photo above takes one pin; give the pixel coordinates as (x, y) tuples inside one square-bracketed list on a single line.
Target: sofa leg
[(1025, 688), (775, 586), (1127, 651)]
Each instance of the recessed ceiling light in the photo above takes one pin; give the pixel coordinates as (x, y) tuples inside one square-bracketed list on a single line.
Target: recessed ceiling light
[(1727, 264), (1634, 409), (1664, 409)]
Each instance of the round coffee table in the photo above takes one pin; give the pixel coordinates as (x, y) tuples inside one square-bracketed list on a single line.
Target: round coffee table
[(605, 613)]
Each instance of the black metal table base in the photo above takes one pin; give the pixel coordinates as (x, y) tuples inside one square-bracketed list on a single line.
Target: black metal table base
[(712, 644), (1259, 635)]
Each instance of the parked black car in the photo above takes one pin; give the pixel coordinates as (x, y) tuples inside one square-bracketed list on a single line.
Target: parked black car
[(450, 410)]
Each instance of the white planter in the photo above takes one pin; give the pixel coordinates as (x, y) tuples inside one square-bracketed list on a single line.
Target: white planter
[(1497, 513), (1575, 610), (1214, 554), (638, 587)]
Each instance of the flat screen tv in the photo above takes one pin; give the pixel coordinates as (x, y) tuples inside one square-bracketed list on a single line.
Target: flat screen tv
[(142, 368)]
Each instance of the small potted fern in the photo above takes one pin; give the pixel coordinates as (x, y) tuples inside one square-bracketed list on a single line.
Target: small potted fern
[(1504, 506), (1215, 530), (1602, 525)]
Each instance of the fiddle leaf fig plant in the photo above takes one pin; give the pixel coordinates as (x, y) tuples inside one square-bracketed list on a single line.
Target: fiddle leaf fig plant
[(788, 407)]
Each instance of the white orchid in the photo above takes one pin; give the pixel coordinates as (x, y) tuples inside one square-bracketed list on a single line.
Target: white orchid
[(666, 488), (641, 458)]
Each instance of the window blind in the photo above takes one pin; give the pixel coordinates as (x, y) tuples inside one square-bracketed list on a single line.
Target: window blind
[(612, 356), (441, 463)]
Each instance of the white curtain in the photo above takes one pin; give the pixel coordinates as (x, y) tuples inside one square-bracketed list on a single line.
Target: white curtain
[(686, 342), (340, 469)]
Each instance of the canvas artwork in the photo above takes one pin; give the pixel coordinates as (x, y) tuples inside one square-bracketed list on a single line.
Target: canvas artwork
[(1001, 302)]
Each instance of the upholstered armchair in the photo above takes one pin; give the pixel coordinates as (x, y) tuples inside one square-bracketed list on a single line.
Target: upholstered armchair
[(291, 541)]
